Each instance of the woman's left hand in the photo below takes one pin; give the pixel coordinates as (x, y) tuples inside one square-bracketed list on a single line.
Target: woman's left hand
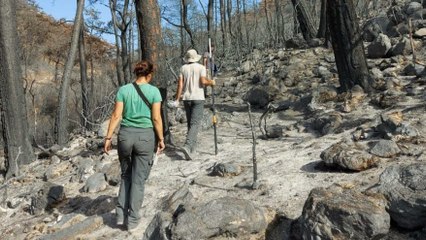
[(160, 146)]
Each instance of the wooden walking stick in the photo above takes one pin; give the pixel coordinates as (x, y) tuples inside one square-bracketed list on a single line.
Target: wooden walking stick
[(410, 26), (214, 120)]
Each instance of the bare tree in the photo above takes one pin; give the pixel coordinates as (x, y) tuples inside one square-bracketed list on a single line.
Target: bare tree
[(246, 31), (229, 17), (239, 24), (348, 45), (61, 123), (119, 73), (181, 32), (268, 24), (84, 81), (280, 27), (185, 22), (18, 150), (123, 26), (223, 25)]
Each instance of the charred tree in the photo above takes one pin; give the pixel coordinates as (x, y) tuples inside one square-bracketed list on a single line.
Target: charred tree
[(305, 20), (210, 18), (322, 29), (18, 150), (348, 45), (148, 16)]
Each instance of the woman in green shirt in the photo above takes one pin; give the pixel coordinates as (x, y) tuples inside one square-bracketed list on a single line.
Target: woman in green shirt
[(136, 140)]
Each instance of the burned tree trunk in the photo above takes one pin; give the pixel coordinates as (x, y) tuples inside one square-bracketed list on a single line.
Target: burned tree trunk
[(347, 45), (18, 150), (322, 29), (148, 16), (304, 17), (210, 18)]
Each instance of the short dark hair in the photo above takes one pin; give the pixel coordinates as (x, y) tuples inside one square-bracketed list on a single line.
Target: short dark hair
[(143, 68)]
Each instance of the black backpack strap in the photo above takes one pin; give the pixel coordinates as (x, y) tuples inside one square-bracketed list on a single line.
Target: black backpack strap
[(142, 95)]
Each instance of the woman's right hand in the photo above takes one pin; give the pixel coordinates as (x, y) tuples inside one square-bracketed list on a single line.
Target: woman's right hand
[(107, 145)]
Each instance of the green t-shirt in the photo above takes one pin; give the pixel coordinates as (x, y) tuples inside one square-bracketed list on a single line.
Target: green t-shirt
[(136, 113)]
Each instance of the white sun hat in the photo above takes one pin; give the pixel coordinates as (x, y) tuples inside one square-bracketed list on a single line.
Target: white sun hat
[(191, 56)]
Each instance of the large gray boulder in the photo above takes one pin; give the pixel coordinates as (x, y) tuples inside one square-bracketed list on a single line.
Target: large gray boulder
[(56, 170), (246, 66), (338, 213), (158, 228), (327, 123), (179, 198), (375, 26), (379, 47), (112, 173), (82, 228), (404, 186), (412, 7), (95, 183), (396, 14), (257, 96), (348, 155), (403, 47), (46, 198), (385, 148), (236, 217), (413, 69)]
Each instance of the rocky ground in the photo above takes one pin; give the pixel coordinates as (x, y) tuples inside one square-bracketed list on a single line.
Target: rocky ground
[(330, 165), (289, 167)]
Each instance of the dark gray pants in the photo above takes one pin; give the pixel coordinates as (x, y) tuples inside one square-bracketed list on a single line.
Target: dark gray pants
[(135, 151), (194, 110)]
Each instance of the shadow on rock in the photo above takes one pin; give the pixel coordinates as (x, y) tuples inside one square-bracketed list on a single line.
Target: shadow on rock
[(320, 167)]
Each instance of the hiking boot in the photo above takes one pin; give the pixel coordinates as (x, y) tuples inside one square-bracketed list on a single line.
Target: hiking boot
[(187, 153), (132, 231), (119, 221)]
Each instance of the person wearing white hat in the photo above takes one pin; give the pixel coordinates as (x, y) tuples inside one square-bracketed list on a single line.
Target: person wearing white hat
[(192, 79)]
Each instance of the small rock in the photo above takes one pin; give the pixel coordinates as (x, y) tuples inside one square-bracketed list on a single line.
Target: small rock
[(348, 156), (95, 183), (420, 33), (225, 169), (385, 148)]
